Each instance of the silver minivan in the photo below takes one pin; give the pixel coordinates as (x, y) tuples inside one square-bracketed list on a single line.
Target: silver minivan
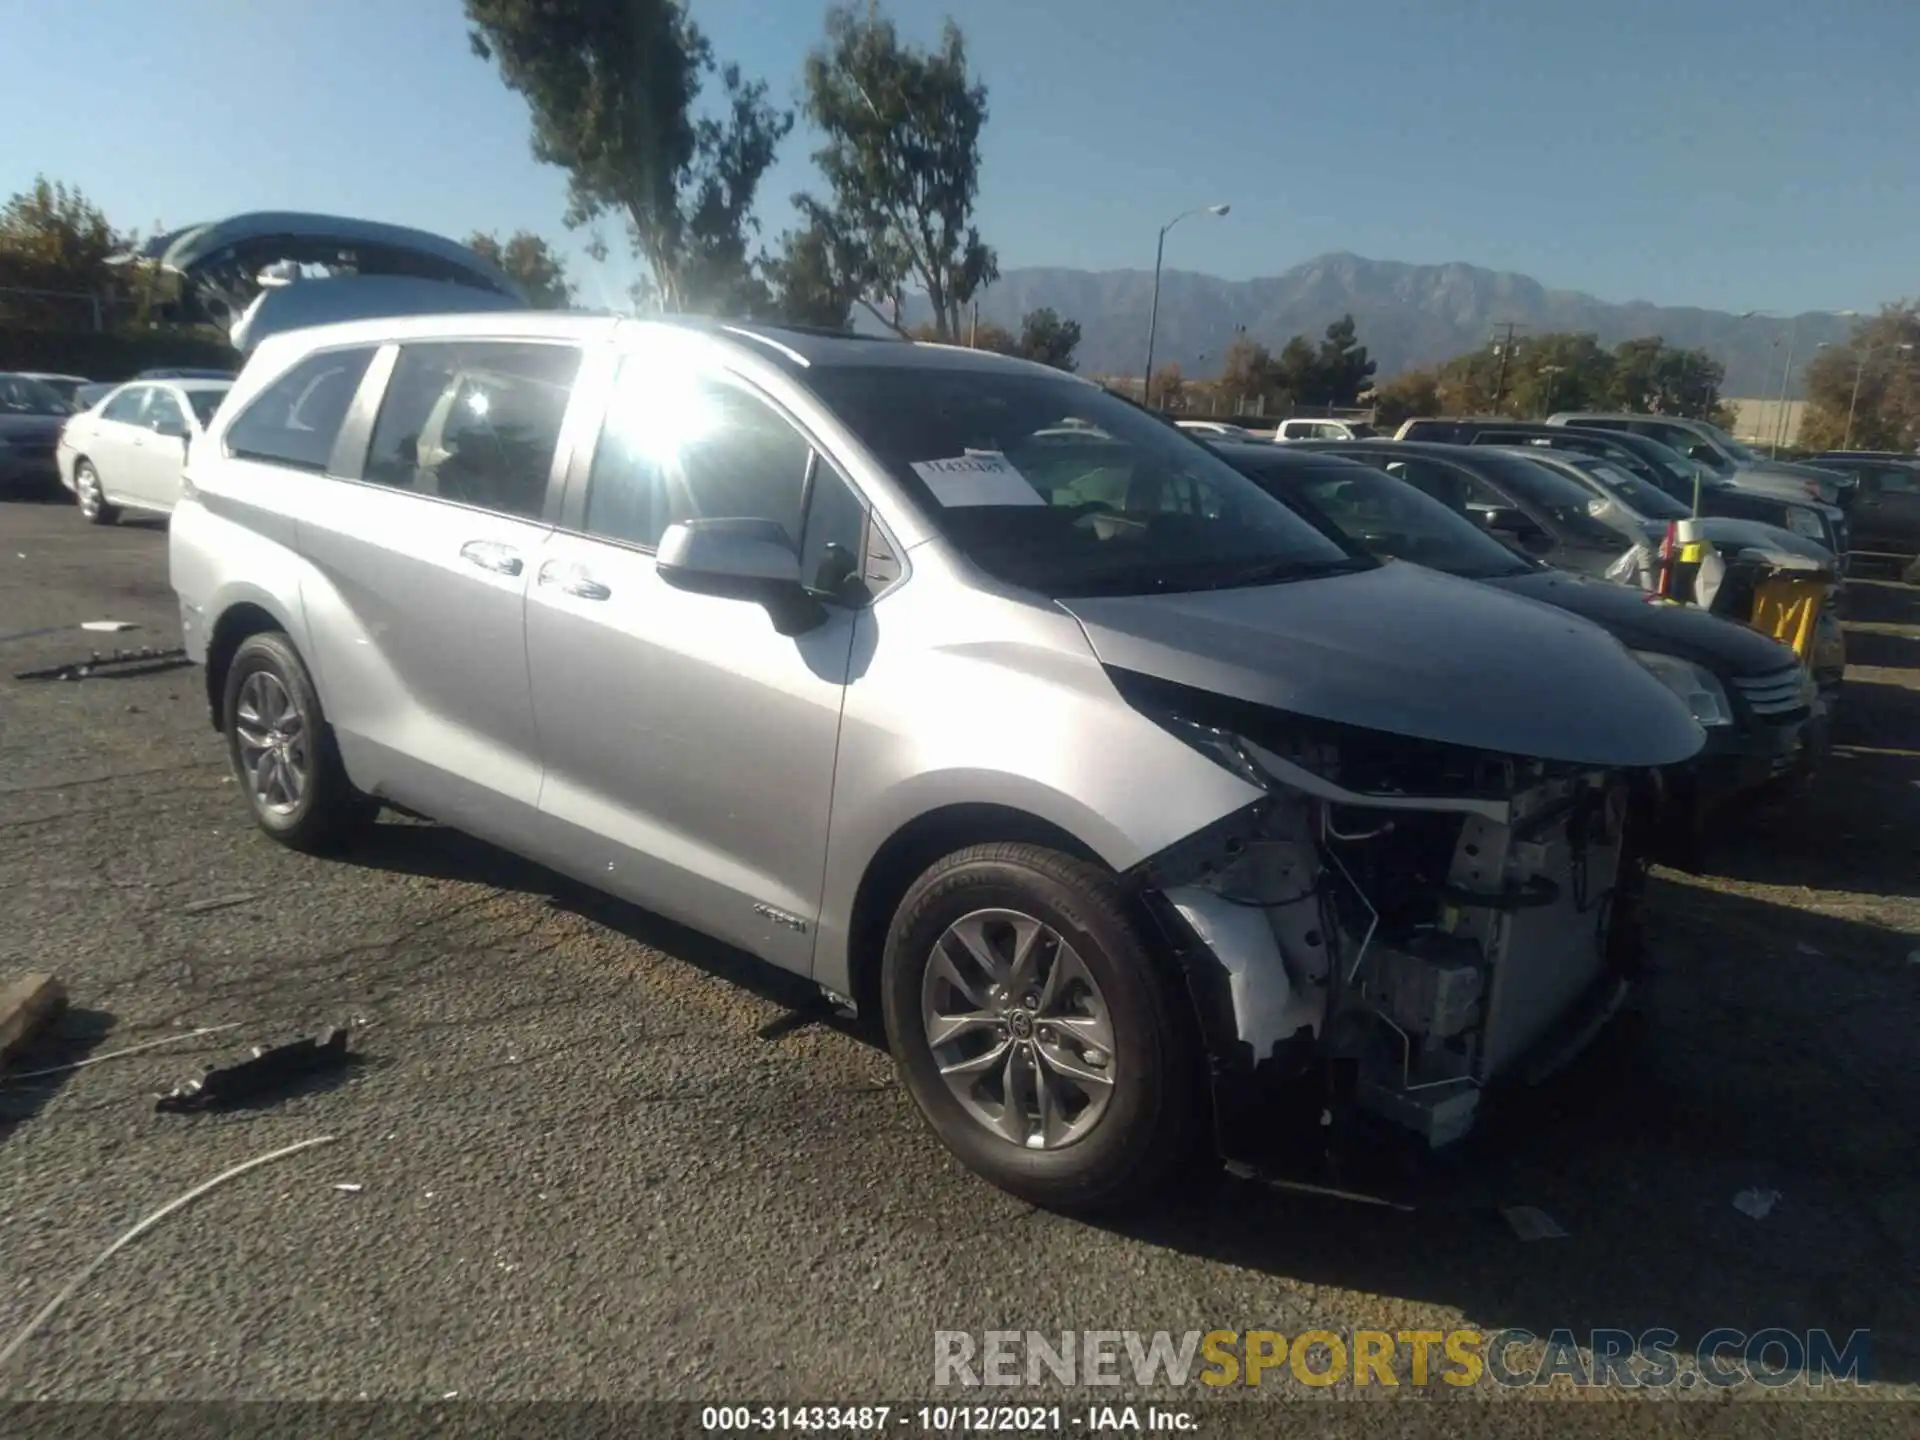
[(1131, 804)]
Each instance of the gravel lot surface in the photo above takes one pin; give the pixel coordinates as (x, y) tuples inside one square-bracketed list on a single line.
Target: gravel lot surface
[(587, 1168)]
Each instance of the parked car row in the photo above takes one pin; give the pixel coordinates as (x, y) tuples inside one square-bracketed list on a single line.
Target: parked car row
[(31, 414), (1588, 515), (1750, 694), (128, 452), (123, 448)]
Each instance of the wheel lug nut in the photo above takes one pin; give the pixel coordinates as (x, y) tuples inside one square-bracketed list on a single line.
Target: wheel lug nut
[(1046, 1032), (1032, 1002)]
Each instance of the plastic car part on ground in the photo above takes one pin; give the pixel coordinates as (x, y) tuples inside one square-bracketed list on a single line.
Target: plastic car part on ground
[(136, 662), (264, 1072)]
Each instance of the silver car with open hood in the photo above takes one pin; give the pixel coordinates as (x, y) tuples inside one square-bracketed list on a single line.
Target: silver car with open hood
[(1129, 802)]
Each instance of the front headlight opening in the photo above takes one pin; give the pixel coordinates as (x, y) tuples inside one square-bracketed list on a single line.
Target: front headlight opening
[(1704, 696)]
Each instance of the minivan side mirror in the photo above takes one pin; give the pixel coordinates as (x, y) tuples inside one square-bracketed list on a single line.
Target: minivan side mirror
[(740, 559)]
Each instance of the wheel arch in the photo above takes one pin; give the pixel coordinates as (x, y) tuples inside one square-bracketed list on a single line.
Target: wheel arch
[(242, 617), (907, 853)]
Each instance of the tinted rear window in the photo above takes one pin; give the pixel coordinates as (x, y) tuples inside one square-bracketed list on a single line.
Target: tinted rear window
[(296, 420)]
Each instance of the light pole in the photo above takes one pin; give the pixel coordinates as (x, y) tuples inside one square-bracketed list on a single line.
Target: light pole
[(1786, 372), (1859, 370), (1153, 312), (1553, 373)]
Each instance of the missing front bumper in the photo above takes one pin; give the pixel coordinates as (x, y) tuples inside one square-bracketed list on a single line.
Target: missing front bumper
[(1367, 967)]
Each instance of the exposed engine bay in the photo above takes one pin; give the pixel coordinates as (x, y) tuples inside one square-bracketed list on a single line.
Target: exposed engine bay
[(1408, 922)]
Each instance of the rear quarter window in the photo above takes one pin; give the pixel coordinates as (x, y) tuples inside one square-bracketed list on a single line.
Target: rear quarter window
[(296, 420)]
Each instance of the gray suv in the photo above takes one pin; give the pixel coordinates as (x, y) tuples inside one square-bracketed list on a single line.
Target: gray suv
[(1121, 795)]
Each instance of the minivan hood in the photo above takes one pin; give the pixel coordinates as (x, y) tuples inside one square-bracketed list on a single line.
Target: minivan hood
[(1410, 652), (1722, 646)]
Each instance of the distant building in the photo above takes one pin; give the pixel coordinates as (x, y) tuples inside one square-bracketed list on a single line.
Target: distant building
[(1768, 422)]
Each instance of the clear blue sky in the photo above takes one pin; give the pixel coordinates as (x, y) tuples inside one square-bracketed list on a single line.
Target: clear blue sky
[(1740, 154)]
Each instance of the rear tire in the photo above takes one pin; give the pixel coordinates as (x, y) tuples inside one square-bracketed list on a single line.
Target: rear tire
[(90, 497), (1071, 1080), (282, 750)]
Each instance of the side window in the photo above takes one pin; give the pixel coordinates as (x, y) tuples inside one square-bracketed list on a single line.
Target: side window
[(833, 547), (691, 449), (164, 415), (1899, 478), (475, 422), (1478, 492), (126, 406), (296, 419), (1443, 483)]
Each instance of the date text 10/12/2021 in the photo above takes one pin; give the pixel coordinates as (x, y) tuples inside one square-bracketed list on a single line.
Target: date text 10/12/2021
[(948, 1419)]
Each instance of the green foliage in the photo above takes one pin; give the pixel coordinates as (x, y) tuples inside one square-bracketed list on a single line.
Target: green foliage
[(901, 164), (52, 238), (1046, 337), (1558, 371), (806, 284), (1563, 371), (1651, 376), (1342, 369), (528, 259), (613, 87), (988, 336), (1333, 374), (1405, 396), (1246, 373), (1295, 372), (1886, 408)]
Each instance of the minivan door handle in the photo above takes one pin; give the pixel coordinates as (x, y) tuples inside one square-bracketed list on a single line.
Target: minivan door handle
[(573, 579), (492, 555)]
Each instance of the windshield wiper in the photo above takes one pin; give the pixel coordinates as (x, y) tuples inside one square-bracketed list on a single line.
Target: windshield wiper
[(1276, 572)]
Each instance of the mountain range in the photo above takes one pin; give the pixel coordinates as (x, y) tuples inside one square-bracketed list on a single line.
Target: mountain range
[(1407, 316)]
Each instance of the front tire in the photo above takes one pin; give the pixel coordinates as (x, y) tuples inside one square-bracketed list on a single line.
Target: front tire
[(90, 497), (282, 750), (1036, 1033)]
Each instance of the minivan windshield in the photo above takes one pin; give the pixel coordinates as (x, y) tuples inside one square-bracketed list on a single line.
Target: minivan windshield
[(1385, 516), (1056, 486)]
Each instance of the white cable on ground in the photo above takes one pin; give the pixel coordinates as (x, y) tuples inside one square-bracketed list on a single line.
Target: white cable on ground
[(116, 1054), (137, 1231)]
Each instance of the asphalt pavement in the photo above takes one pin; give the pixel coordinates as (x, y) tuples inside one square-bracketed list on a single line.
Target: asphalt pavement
[(593, 1156)]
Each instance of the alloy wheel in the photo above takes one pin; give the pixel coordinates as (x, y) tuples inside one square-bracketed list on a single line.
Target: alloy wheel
[(273, 743), (1019, 1029)]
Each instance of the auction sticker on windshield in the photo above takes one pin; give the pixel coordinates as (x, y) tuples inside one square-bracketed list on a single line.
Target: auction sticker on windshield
[(981, 477)]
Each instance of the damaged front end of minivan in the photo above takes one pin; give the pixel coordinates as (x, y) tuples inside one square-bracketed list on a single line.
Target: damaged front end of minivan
[(1395, 928)]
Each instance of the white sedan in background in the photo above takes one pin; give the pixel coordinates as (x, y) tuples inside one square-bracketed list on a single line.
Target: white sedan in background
[(127, 451)]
